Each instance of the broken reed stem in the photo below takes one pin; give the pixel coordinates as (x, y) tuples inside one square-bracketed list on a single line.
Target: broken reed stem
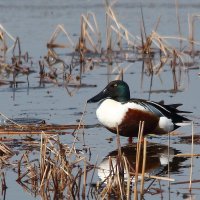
[(84, 180), (119, 180), (108, 29), (191, 160), (155, 177), (143, 24), (118, 142), (178, 23), (187, 155), (143, 168), (119, 163), (128, 178), (5, 149), (1, 114), (93, 173), (43, 148), (79, 125), (168, 168), (140, 135), (43, 178)]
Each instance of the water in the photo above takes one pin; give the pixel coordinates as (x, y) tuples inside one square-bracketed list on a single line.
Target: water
[(34, 22)]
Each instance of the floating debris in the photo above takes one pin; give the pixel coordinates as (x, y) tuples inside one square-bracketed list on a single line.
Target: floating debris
[(188, 139), (5, 154), (37, 126)]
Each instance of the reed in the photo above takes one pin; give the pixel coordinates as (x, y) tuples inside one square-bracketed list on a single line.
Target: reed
[(5, 38), (88, 51), (3, 185), (191, 23), (178, 22), (61, 171), (191, 159), (54, 173), (140, 136), (143, 168), (90, 39), (55, 36), (5, 154), (113, 25)]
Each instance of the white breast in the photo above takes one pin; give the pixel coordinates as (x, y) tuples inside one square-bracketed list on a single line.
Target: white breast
[(111, 113)]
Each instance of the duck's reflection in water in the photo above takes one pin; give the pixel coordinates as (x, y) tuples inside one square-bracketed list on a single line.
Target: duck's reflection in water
[(157, 158)]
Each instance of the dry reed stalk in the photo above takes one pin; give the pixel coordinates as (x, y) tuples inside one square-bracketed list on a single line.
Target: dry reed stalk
[(30, 172), (84, 180), (144, 37), (128, 182), (121, 35), (18, 46), (4, 116), (187, 155), (186, 182), (95, 166), (168, 156), (118, 142), (160, 178), (178, 23), (43, 178), (108, 31), (22, 176), (5, 150), (30, 132), (112, 23), (3, 182), (87, 29), (4, 36), (140, 136), (91, 42), (191, 31), (143, 168), (56, 170), (173, 67), (106, 190), (120, 72), (79, 125), (52, 58), (191, 159), (96, 30), (60, 29), (42, 154), (119, 183), (120, 166), (113, 181), (7, 33), (32, 129), (168, 50), (191, 24)]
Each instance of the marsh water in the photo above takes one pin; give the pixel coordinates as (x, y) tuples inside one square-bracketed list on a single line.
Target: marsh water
[(35, 21)]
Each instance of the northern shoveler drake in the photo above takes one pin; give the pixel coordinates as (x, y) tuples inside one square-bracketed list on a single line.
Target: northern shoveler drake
[(117, 109)]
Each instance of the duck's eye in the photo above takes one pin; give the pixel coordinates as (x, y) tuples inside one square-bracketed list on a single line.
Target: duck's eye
[(114, 85)]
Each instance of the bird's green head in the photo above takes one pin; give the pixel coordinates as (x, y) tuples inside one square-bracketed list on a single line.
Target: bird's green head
[(117, 90)]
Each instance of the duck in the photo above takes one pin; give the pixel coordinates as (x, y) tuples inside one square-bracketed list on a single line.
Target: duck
[(121, 114)]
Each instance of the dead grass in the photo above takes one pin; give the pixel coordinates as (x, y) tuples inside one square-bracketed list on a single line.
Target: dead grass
[(57, 173), (156, 50), (63, 171), (5, 154)]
